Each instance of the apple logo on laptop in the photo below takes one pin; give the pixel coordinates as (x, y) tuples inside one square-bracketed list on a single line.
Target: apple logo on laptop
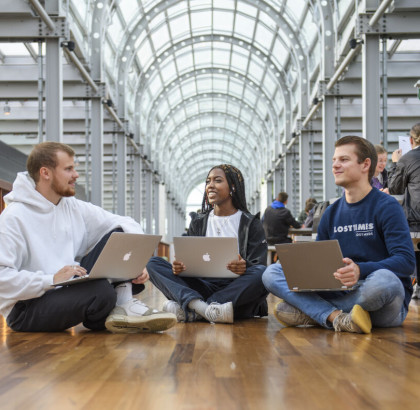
[(206, 257), (127, 256)]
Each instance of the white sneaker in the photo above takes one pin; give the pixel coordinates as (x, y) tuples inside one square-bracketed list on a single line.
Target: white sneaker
[(173, 307), (220, 313), (135, 317), (416, 291)]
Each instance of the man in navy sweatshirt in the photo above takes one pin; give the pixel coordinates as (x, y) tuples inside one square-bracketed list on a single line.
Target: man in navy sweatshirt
[(379, 258)]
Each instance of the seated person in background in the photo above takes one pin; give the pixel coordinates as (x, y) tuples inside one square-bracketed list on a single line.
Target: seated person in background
[(304, 213), (45, 237), (309, 209), (380, 177), (404, 178), (277, 220), (224, 214), (375, 240)]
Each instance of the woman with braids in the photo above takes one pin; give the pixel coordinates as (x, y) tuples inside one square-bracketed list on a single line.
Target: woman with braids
[(224, 214)]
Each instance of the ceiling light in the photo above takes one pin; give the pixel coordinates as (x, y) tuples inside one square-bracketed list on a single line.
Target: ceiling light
[(7, 109)]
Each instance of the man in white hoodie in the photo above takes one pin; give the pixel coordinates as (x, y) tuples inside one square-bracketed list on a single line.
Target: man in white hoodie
[(47, 236)]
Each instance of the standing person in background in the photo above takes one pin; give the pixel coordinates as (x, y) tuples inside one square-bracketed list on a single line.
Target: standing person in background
[(404, 179), (380, 177), (277, 220)]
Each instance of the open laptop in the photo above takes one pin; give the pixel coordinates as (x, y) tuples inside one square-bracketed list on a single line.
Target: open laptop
[(123, 257), (309, 266), (206, 257)]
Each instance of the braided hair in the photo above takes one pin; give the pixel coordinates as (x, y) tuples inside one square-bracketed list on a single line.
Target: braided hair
[(236, 184)]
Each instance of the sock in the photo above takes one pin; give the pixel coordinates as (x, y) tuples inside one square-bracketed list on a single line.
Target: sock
[(124, 292), (199, 306)]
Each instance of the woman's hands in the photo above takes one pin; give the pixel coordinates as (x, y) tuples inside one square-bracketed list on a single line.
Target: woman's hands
[(237, 266)]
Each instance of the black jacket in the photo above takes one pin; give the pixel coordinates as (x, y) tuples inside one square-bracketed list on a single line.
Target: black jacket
[(276, 224), (404, 178), (251, 238)]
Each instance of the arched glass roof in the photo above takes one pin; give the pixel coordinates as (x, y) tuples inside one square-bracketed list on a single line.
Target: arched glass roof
[(207, 81), (200, 82)]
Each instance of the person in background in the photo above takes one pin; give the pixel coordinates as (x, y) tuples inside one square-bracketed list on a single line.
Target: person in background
[(305, 212), (380, 177), (404, 179), (277, 220), (224, 213), (309, 209)]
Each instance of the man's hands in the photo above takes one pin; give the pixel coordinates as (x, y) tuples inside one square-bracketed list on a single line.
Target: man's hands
[(142, 278), (237, 266), (178, 267), (68, 272), (349, 275)]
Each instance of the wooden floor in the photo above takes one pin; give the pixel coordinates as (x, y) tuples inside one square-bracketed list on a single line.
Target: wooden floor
[(254, 364)]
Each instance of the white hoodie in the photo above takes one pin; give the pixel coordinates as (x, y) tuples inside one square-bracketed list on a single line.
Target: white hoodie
[(38, 238)]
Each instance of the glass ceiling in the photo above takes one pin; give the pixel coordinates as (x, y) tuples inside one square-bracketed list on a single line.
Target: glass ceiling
[(205, 81)]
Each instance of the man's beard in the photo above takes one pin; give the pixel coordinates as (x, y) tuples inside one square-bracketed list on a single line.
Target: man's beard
[(65, 192)]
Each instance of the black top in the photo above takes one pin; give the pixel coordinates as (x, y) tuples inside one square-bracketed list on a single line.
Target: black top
[(276, 223), (404, 178)]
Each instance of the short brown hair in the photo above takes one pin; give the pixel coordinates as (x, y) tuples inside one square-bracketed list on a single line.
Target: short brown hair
[(380, 149), (415, 133), (282, 197), (45, 155), (364, 150)]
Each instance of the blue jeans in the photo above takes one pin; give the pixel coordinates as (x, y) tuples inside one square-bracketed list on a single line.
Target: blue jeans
[(381, 294), (247, 292)]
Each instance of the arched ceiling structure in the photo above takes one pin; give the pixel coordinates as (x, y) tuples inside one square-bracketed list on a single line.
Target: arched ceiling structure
[(263, 84), (210, 81)]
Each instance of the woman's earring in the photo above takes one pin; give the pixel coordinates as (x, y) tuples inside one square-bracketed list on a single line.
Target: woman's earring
[(230, 193)]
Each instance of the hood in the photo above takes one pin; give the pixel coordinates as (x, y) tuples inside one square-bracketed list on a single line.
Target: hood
[(277, 204), (24, 192)]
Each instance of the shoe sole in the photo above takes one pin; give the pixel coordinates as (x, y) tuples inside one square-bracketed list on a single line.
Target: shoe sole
[(227, 320), (275, 314), (312, 323), (361, 318), (179, 313), (140, 324), (230, 319)]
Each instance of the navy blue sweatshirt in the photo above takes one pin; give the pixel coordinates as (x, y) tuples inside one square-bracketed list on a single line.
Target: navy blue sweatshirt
[(373, 233)]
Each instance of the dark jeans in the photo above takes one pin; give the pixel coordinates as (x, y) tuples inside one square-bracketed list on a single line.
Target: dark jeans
[(247, 292), (58, 309)]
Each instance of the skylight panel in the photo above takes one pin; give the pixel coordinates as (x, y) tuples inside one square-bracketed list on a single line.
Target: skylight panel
[(179, 26), (222, 22), (244, 26), (201, 20), (160, 38)]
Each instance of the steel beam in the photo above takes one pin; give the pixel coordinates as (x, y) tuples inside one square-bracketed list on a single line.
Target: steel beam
[(31, 29)]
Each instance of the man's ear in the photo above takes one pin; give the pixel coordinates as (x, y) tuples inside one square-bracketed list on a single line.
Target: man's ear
[(44, 173), (366, 164)]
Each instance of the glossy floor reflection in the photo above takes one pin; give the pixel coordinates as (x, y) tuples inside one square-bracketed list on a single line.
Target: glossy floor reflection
[(254, 364)]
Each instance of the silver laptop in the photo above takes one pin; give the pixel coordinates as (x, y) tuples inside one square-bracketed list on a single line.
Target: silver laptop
[(206, 257), (309, 266), (123, 257)]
